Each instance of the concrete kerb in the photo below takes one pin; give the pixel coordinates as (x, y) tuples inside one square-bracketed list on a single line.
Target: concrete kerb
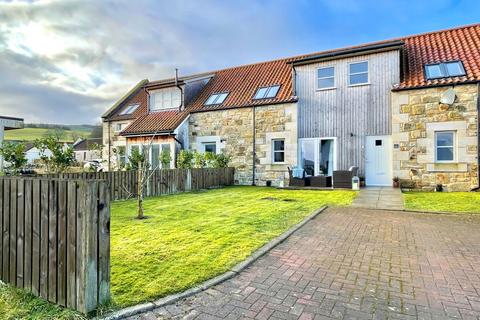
[(149, 306)]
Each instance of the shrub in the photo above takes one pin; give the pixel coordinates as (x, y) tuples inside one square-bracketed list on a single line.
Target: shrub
[(184, 159), (222, 160), (193, 159), (14, 154), (62, 156)]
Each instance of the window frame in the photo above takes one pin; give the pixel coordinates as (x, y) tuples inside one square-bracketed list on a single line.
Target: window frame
[(119, 125), (278, 151), (265, 97), (453, 146), (214, 101), (154, 94), (131, 108), (204, 144), (355, 73), (320, 78), (444, 69)]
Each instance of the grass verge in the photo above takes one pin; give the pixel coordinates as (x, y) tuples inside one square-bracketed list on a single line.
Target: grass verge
[(18, 304), (459, 202), (192, 237)]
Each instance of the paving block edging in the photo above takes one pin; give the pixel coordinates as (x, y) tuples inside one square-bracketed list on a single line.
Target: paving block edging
[(149, 306)]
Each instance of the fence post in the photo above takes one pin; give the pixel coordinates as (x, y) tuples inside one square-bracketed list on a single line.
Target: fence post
[(188, 184)]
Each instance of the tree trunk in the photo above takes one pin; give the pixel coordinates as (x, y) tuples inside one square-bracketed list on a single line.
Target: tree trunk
[(139, 191)]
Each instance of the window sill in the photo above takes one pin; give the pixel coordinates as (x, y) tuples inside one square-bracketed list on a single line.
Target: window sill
[(326, 89), (360, 84)]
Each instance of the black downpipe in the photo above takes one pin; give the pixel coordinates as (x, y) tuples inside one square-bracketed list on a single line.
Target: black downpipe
[(179, 88), (478, 137), (109, 146), (253, 148)]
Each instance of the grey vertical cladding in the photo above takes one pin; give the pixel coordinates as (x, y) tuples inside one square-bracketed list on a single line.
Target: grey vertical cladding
[(348, 112)]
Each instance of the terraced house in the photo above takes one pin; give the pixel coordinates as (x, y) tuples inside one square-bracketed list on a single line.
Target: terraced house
[(404, 107)]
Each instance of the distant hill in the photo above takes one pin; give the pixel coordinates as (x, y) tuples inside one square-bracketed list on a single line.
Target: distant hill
[(70, 133)]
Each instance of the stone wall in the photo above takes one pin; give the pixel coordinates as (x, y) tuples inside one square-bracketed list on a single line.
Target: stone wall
[(232, 129), (116, 140), (416, 116)]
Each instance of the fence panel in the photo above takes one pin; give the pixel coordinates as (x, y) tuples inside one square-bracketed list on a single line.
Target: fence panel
[(55, 239), (123, 184)]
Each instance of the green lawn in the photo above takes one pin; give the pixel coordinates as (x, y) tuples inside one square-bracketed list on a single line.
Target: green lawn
[(31, 134), (17, 304), (192, 237), (461, 202), (187, 239)]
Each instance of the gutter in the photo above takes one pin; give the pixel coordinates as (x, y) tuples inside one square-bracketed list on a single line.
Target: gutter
[(290, 100), (436, 85)]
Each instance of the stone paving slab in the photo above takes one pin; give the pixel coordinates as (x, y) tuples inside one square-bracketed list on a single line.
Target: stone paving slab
[(379, 198), (354, 263)]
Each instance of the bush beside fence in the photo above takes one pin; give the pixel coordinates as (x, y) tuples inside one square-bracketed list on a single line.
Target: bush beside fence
[(55, 239), (123, 184)]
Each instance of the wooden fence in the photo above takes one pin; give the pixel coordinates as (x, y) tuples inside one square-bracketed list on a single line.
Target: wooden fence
[(123, 184), (55, 239)]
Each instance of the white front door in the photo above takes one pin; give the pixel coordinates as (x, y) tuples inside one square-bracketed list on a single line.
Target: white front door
[(378, 161)]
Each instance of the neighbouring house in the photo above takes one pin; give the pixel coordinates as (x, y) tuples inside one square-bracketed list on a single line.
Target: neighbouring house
[(405, 107), (88, 149), (8, 123), (33, 154)]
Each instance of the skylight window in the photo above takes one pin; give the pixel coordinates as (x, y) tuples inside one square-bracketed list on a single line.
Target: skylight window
[(444, 70), (216, 98), (266, 92), (130, 109)]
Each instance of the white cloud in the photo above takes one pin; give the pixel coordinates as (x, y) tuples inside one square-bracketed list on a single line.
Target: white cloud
[(99, 49)]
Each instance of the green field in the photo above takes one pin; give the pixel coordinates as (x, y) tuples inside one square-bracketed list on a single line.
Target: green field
[(31, 134)]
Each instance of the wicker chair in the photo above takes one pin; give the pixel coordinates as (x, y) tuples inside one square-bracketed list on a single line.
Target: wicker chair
[(297, 182), (343, 178)]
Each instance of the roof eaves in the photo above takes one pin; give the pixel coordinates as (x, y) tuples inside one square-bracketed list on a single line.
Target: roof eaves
[(247, 105), (348, 52), (125, 97), (146, 133), (434, 85)]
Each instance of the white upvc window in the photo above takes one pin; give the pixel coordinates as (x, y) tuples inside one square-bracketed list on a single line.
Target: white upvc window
[(130, 109), (358, 73), (445, 146), (278, 150), (164, 99), (119, 127), (326, 78), (209, 147)]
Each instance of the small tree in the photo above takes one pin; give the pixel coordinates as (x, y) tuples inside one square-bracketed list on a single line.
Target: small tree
[(14, 154), (56, 156)]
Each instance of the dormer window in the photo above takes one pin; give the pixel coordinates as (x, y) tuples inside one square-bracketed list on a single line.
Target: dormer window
[(266, 92), (216, 98), (130, 109), (444, 70), (168, 98)]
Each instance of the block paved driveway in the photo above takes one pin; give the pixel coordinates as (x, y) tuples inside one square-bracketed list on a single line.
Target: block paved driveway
[(354, 264)]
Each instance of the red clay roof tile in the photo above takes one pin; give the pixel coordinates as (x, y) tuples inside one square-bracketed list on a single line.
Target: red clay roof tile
[(462, 43)]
